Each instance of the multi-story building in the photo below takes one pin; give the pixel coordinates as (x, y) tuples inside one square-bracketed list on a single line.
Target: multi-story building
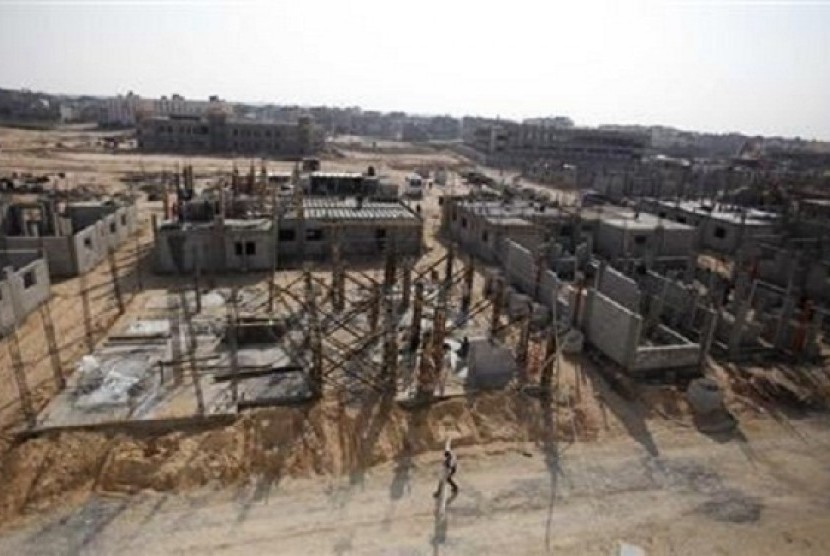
[(128, 110), (512, 143), (217, 132)]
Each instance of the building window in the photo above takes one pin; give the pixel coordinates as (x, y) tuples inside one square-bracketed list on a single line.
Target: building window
[(250, 248), (287, 235), (720, 232), (314, 234), (681, 219), (639, 240), (485, 236), (29, 279), (123, 219), (88, 242), (112, 227), (380, 233), (661, 214), (463, 222), (238, 248)]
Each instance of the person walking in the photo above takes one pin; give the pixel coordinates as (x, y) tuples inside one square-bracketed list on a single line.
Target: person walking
[(450, 466)]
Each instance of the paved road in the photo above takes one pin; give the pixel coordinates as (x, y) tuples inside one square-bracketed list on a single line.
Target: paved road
[(680, 493)]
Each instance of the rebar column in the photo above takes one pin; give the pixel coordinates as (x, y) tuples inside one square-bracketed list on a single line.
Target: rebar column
[(51, 342), (417, 315), (390, 344), (495, 318), (551, 348), (406, 287), (467, 289)]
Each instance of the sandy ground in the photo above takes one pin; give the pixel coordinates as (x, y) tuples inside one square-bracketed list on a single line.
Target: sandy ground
[(338, 479), (695, 495)]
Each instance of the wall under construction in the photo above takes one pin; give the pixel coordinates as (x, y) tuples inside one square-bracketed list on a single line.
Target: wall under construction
[(76, 240), (24, 285)]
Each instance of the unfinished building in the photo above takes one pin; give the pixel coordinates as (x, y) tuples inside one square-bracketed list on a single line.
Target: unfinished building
[(360, 230), (24, 285), (719, 228), (73, 236)]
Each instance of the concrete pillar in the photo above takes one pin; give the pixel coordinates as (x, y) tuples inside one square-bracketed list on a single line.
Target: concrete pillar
[(498, 301), (467, 289), (406, 287), (707, 337), (783, 321), (449, 263), (741, 312), (633, 341), (551, 354)]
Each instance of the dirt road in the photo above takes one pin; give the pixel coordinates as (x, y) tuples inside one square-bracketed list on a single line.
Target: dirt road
[(762, 493)]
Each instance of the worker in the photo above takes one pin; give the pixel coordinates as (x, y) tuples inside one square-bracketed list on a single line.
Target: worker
[(465, 348), (450, 466)]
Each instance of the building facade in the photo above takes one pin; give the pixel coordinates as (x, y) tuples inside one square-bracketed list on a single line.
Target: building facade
[(220, 134)]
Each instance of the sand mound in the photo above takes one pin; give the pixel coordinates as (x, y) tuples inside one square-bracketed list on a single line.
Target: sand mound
[(276, 442)]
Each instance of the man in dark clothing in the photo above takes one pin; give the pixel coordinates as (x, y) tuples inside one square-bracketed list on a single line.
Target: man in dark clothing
[(450, 467)]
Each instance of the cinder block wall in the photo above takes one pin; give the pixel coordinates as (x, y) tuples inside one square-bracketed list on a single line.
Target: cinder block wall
[(22, 291), (612, 328), (620, 288)]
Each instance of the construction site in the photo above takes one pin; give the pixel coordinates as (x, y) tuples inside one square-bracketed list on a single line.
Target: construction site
[(176, 328)]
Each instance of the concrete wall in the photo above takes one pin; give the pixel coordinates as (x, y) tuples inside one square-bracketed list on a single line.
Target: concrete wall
[(649, 358), (239, 243), (520, 267), (620, 288), (611, 328), (17, 298), (615, 241), (78, 253)]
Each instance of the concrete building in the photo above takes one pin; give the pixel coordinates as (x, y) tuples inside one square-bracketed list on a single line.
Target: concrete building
[(216, 132), (480, 227), (75, 236), (643, 235), (719, 228), (24, 285), (363, 229), (518, 144)]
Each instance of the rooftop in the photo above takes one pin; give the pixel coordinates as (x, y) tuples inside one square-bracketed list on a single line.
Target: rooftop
[(643, 221), (324, 208), (754, 217)]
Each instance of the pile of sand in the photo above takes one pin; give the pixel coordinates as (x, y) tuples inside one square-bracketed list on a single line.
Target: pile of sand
[(277, 442)]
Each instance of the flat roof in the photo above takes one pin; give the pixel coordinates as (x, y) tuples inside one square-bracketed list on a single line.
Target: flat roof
[(754, 217), (643, 222), (324, 208), (336, 175)]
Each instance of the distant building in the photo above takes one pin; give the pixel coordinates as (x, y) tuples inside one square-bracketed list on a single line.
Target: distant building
[(128, 110), (519, 144), (220, 133)]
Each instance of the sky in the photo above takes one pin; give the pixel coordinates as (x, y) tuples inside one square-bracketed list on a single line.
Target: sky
[(757, 67)]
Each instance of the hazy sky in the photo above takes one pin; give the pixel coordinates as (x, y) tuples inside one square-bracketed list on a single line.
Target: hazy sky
[(756, 67)]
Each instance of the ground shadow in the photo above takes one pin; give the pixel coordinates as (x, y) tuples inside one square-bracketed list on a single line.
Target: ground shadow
[(622, 402)]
